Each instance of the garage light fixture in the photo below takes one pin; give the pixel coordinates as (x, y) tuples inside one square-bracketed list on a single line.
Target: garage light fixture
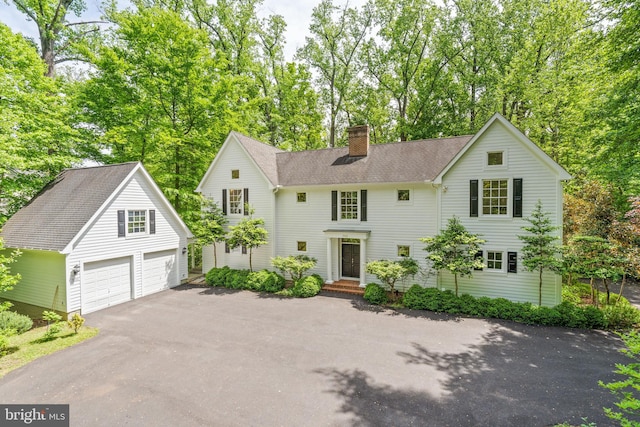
[(76, 269)]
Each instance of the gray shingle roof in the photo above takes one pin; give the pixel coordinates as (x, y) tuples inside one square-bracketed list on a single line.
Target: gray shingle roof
[(56, 214), (414, 161), (264, 155)]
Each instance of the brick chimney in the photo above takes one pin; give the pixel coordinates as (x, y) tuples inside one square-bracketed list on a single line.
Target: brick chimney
[(358, 141)]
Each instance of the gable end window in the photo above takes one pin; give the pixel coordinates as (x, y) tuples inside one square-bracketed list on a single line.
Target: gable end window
[(235, 174), (301, 197), (495, 158), (136, 222)]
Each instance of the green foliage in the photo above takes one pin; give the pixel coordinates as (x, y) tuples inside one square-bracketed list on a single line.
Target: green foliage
[(75, 322), (376, 294), (295, 265), (627, 390), (454, 250), (389, 272), (539, 252), (250, 233), (7, 280), (4, 344), (15, 322), (622, 316), (265, 281), (53, 324), (207, 225), (565, 314), (308, 286)]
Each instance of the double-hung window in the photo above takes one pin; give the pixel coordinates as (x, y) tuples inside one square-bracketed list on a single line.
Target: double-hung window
[(136, 222), (235, 201), (494, 260), (348, 205), (495, 194)]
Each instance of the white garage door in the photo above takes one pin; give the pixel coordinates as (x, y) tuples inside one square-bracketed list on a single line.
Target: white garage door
[(106, 283), (159, 272)]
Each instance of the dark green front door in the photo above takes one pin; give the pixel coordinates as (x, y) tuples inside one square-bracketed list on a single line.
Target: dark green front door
[(350, 260)]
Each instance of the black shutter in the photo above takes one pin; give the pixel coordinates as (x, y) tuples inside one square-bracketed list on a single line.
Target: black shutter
[(334, 205), (473, 199), (224, 201), (479, 256), (152, 221), (363, 205), (226, 248), (244, 250), (517, 197), (121, 224), (246, 202), (512, 265)]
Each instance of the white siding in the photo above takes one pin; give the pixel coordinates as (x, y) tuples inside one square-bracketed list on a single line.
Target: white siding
[(232, 156), (390, 222), (43, 280), (500, 233), (101, 241)]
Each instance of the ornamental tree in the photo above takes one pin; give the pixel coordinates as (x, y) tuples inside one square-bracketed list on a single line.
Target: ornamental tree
[(389, 272), (540, 253), (295, 266), (454, 250), (208, 226), (248, 233)]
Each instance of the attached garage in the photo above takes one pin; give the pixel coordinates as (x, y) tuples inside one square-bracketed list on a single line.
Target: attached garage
[(106, 283), (160, 271)]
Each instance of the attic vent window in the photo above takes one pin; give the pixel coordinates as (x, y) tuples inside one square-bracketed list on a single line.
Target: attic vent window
[(235, 174), (494, 158)]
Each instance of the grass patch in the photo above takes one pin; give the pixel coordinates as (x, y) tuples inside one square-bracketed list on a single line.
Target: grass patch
[(30, 346)]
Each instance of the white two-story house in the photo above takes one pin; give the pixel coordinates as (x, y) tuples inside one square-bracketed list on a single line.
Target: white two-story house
[(347, 206)]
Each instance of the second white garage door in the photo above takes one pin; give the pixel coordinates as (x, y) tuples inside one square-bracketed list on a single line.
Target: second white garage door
[(159, 272), (106, 283)]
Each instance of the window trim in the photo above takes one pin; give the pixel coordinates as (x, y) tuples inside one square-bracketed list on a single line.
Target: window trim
[(127, 222), (502, 156), (407, 201), (240, 208), (507, 198), (398, 246), (502, 261), (355, 207)]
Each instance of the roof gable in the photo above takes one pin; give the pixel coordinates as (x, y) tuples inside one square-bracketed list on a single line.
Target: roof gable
[(518, 136), (61, 209), (68, 205), (262, 155)]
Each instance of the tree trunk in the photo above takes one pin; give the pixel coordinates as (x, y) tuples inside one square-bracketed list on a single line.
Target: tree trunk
[(455, 280), (215, 256), (540, 288), (624, 280)]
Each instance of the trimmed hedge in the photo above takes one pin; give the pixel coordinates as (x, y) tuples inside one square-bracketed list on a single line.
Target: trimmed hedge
[(12, 322), (564, 314), (263, 281), (308, 286), (375, 294)]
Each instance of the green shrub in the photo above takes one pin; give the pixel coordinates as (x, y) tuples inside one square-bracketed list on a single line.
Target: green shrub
[(217, 276), (53, 324), (294, 265), (265, 281), (308, 286), (4, 344), (12, 321), (75, 322), (375, 294), (621, 316)]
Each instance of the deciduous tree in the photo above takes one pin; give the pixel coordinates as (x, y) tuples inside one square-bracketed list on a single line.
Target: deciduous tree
[(248, 233)]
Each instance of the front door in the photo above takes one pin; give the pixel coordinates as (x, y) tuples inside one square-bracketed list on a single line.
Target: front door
[(351, 260)]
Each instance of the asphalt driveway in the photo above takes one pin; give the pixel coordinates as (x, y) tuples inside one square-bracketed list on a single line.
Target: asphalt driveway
[(204, 357)]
